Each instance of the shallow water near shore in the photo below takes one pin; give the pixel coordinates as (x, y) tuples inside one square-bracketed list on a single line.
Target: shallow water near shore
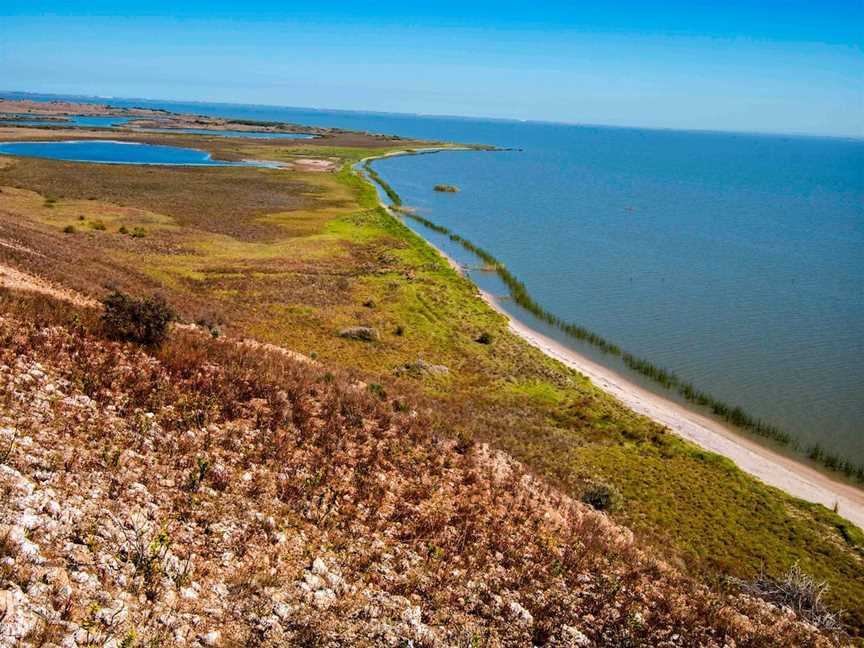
[(108, 152), (734, 260)]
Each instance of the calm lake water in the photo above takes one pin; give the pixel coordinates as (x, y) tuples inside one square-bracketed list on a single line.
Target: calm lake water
[(69, 122), (736, 261), (109, 122), (107, 152)]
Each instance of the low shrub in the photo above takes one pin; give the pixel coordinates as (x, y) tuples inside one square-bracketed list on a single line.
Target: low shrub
[(602, 496), (98, 225), (212, 323), (144, 321), (484, 338), (69, 229), (378, 390)]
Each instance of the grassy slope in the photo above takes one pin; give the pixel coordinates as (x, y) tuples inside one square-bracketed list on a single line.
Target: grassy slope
[(295, 277), (244, 473)]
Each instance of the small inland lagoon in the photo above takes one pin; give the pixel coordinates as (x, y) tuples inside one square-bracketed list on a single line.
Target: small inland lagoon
[(67, 121), (113, 152)]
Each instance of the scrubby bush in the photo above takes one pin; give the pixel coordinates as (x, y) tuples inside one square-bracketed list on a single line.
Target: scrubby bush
[(69, 229), (98, 225), (464, 441), (144, 321), (602, 496), (800, 592), (122, 230), (138, 232), (484, 338), (378, 390), (212, 323)]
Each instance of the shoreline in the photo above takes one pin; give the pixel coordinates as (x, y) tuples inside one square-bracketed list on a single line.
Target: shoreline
[(772, 468)]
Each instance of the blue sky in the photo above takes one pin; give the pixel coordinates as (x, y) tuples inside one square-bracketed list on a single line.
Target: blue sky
[(756, 66)]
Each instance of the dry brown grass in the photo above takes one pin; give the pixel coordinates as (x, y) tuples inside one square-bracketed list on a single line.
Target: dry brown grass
[(206, 449), (301, 288), (218, 200)]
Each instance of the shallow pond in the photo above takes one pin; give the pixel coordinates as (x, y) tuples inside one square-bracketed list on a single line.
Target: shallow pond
[(70, 121), (110, 152)]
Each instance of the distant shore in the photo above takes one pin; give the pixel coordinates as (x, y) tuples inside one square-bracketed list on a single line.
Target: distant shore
[(772, 468)]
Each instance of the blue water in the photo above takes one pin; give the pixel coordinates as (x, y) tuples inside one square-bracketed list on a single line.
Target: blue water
[(735, 260), (229, 133), (107, 152), (71, 121), (98, 122)]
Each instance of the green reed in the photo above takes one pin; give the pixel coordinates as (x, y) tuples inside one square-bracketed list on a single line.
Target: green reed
[(519, 294)]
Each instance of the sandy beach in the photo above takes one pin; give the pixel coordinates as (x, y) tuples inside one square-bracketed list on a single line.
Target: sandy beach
[(770, 467)]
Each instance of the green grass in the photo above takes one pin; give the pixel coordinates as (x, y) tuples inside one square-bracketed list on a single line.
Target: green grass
[(328, 249), (519, 294), (716, 517)]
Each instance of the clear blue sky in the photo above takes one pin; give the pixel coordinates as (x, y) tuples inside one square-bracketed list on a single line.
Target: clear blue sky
[(776, 66)]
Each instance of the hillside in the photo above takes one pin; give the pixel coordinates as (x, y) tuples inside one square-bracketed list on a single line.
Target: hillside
[(297, 257), (213, 492)]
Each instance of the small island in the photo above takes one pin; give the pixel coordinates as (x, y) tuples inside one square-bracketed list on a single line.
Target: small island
[(445, 188)]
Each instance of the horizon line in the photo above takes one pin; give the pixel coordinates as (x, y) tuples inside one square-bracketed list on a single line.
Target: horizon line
[(517, 120)]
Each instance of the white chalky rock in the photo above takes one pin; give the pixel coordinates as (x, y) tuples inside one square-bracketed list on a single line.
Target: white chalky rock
[(16, 621), (520, 612), (29, 521), (189, 594), (319, 567), (211, 638), (80, 577), (573, 637), (323, 598), (314, 581), (283, 611)]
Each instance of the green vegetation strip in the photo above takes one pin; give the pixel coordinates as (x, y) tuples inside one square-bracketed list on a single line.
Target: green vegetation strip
[(519, 294), (391, 193)]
